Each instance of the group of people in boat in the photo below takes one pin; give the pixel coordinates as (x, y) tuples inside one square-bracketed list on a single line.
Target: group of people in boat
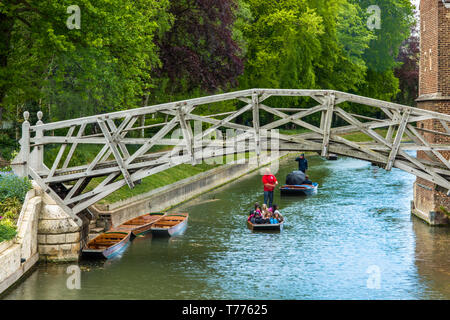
[(263, 214), (268, 212), (270, 181)]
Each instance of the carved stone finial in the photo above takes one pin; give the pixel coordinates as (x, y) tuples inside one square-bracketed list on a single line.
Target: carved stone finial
[(39, 115), (26, 115)]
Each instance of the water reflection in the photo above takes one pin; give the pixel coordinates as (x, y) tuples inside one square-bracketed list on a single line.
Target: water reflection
[(432, 257)]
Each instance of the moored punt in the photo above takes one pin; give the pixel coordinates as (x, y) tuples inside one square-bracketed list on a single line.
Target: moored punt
[(107, 245), (265, 226), (170, 225), (303, 189), (139, 225)]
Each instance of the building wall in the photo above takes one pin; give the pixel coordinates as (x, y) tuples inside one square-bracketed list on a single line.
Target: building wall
[(434, 95)]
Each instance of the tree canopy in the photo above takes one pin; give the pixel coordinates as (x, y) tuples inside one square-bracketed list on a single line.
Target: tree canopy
[(126, 53)]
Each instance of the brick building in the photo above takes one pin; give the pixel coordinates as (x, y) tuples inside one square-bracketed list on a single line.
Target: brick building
[(434, 94)]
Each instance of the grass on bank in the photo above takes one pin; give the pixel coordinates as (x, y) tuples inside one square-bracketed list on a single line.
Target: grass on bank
[(361, 137), (161, 179), (354, 137)]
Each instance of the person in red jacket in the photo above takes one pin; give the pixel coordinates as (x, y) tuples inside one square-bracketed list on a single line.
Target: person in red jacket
[(269, 181)]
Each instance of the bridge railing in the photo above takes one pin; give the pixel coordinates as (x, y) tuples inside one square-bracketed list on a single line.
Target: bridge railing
[(119, 164)]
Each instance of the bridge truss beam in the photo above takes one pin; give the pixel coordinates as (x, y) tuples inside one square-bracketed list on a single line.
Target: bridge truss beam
[(123, 158)]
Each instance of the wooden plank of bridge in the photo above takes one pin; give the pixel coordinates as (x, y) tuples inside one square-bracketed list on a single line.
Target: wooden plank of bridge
[(152, 141), (116, 132), (327, 125), (74, 146), (436, 153), (60, 153), (398, 139), (295, 118), (122, 133), (255, 109), (187, 134), (113, 147), (46, 188)]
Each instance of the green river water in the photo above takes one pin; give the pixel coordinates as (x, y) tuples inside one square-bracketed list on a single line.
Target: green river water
[(332, 242)]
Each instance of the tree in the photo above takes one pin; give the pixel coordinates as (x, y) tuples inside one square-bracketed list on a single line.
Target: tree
[(408, 72), (397, 18), (199, 52), (42, 57), (305, 44)]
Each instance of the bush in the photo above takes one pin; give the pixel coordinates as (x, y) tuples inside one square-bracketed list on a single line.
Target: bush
[(12, 186), (8, 145), (7, 229), (12, 194), (10, 208), (6, 232)]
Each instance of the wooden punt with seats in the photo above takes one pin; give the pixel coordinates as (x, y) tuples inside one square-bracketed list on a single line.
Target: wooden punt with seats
[(265, 226), (107, 245), (170, 225), (139, 225)]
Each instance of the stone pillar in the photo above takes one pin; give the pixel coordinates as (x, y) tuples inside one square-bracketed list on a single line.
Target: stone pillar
[(60, 239), (434, 94)]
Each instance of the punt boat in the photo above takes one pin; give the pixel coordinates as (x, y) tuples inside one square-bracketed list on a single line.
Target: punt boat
[(171, 224), (298, 190), (265, 226), (139, 225), (107, 245)]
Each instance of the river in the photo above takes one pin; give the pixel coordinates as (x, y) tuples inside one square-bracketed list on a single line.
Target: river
[(355, 239)]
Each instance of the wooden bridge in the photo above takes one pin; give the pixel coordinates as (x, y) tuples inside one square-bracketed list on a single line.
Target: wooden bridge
[(118, 165)]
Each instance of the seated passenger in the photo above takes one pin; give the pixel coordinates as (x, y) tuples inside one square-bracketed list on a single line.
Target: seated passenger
[(266, 214), (307, 181), (277, 217), (253, 211), (258, 219)]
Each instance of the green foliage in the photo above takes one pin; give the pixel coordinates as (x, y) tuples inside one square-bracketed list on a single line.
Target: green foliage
[(10, 208), (103, 65), (12, 194), (283, 39), (305, 44), (12, 186), (7, 231), (324, 44), (125, 50), (397, 18), (7, 146), (9, 212)]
